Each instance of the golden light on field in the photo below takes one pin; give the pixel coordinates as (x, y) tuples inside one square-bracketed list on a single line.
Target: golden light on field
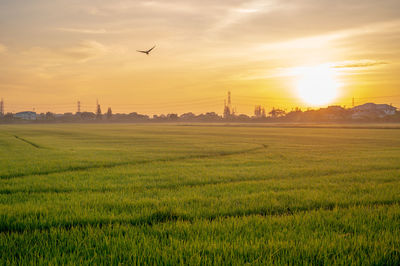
[(317, 86)]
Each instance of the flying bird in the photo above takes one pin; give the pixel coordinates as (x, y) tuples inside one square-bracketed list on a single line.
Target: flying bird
[(146, 52)]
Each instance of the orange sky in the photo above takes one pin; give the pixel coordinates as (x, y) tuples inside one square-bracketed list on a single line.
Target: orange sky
[(54, 53)]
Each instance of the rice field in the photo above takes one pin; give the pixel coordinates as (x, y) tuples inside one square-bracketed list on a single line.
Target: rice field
[(199, 194)]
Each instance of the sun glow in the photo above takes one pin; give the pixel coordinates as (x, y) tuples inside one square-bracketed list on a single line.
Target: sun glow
[(317, 86)]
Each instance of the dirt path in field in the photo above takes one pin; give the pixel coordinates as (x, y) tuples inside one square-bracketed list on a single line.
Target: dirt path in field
[(165, 216), (28, 142), (116, 164), (185, 185)]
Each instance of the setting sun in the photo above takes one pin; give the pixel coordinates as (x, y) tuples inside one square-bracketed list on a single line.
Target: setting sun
[(317, 85)]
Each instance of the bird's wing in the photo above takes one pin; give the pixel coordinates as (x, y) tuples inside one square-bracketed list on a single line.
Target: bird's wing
[(145, 52), (151, 49)]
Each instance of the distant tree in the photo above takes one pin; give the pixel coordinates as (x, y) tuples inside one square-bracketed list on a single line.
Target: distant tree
[(50, 116), (277, 113), (212, 116), (88, 115), (172, 117), (188, 116), (138, 117), (41, 116), (209, 117), (243, 118), (296, 115), (259, 111), (161, 117), (8, 117)]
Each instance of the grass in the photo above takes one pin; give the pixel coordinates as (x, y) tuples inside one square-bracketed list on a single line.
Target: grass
[(171, 194)]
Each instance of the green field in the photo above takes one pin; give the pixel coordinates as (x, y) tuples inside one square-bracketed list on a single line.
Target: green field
[(175, 194)]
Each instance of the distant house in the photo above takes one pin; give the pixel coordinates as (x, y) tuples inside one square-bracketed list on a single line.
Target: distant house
[(27, 115), (372, 110)]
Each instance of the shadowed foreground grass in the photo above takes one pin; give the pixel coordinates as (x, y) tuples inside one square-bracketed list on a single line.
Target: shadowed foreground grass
[(151, 194)]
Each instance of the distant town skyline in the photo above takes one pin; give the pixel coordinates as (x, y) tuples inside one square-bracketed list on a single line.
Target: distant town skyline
[(369, 112), (220, 109), (273, 53)]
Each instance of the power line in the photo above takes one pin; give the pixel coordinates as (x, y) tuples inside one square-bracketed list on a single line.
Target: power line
[(378, 97)]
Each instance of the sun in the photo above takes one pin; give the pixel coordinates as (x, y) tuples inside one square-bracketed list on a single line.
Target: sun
[(317, 86)]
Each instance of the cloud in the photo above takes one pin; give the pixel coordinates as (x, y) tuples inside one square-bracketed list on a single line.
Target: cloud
[(359, 64), (85, 50), (254, 71), (83, 31), (303, 18), (48, 57), (238, 13)]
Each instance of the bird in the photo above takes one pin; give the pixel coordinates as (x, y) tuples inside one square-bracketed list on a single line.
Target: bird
[(146, 52)]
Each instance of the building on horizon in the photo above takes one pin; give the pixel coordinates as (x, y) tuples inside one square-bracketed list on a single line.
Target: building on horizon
[(369, 110), (26, 115)]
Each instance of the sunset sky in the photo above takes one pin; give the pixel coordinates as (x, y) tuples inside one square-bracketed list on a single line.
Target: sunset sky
[(56, 52)]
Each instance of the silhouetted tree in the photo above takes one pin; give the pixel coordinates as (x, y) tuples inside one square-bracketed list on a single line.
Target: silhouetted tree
[(50, 116), (88, 116), (188, 116), (8, 117), (259, 111), (172, 117), (277, 113)]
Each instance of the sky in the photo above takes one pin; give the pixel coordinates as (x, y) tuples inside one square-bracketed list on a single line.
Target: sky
[(54, 53)]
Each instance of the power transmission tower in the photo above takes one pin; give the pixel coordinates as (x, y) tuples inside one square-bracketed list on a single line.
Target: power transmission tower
[(109, 113), (79, 107)]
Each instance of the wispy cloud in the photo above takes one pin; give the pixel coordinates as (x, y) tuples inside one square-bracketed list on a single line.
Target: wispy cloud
[(85, 50), (77, 53), (329, 38), (258, 72), (359, 64), (236, 14), (83, 31)]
